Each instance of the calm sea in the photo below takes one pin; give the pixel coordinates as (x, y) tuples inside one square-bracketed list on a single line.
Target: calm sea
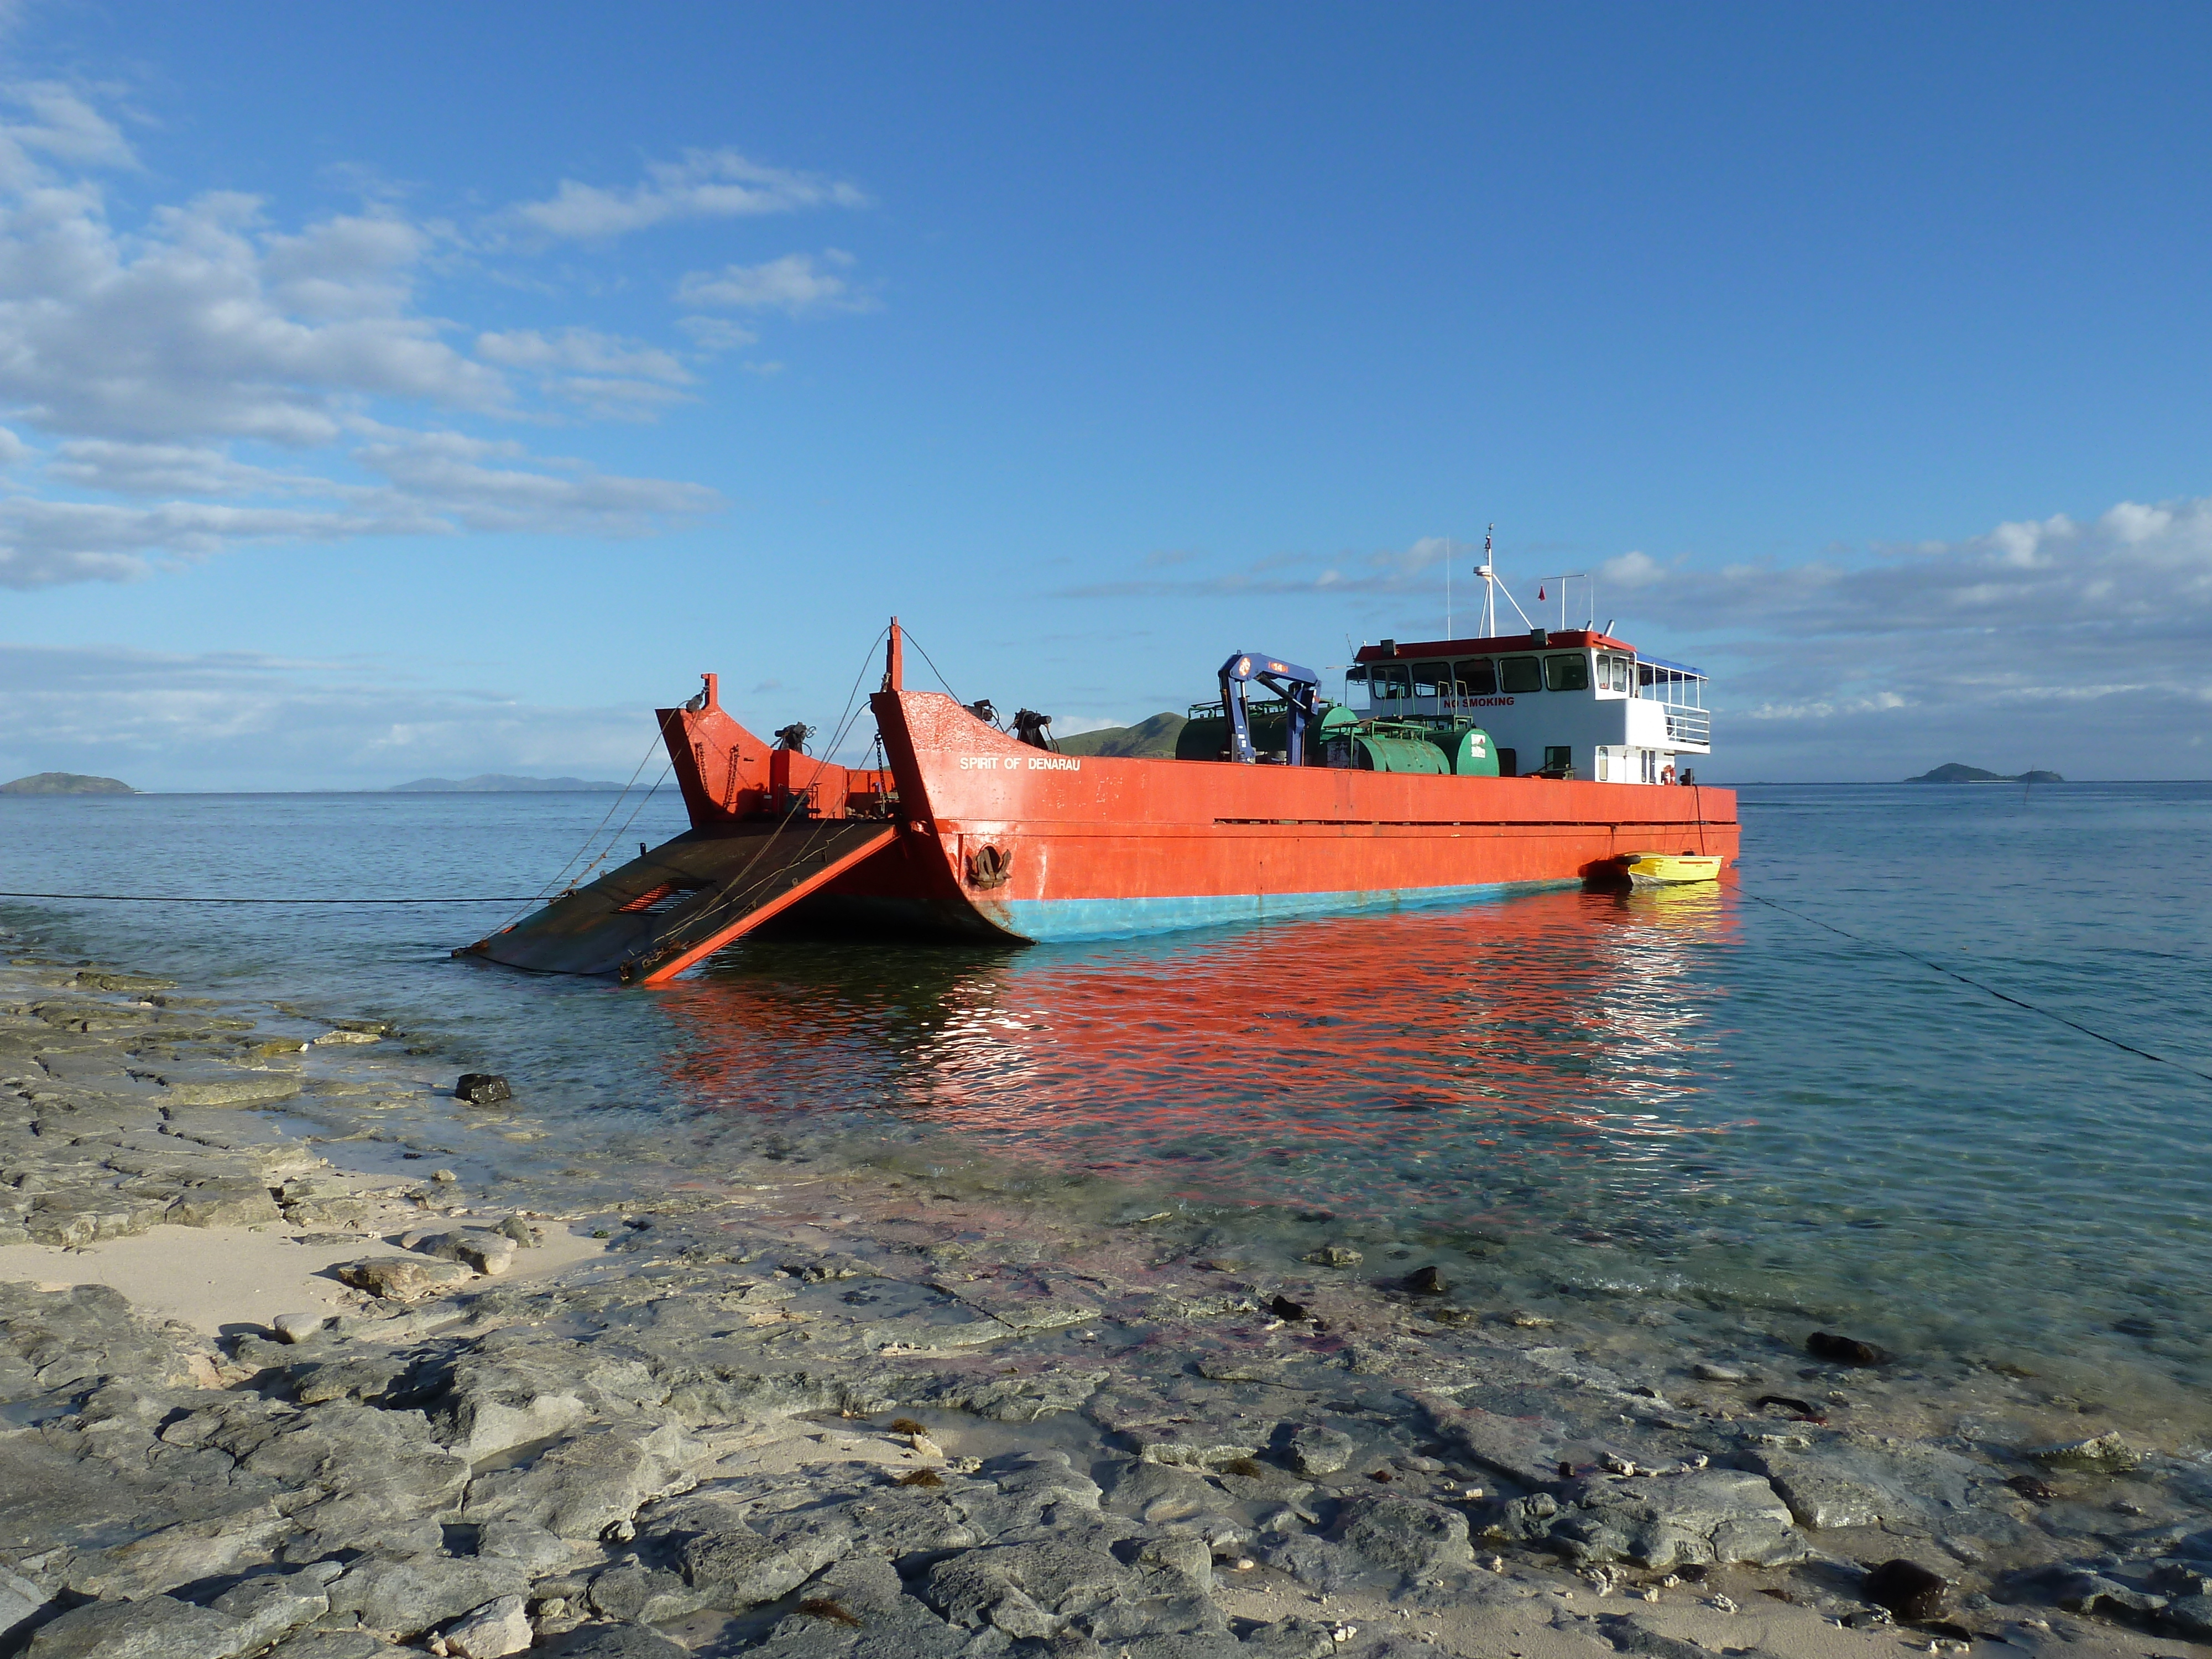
[(1693, 1096)]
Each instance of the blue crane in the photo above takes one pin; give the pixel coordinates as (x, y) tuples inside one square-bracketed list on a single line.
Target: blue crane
[(1299, 688)]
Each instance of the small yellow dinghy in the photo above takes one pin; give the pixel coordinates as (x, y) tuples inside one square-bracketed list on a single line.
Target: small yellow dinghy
[(1667, 869)]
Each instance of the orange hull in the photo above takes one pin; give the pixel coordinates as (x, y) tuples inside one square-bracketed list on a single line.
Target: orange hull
[(1004, 839), (967, 831)]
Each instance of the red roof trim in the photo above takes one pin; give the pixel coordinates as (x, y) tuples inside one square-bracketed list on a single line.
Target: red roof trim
[(1561, 639)]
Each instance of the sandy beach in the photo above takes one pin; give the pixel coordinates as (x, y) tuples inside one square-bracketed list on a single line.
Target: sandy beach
[(278, 1378)]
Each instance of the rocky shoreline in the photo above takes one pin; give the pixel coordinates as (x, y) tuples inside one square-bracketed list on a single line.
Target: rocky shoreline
[(799, 1411)]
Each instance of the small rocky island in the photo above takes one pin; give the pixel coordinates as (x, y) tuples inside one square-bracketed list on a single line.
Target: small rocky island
[(1955, 771), (65, 783)]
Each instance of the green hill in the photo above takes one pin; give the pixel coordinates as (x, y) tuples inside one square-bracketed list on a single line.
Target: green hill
[(1956, 773), (1154, 738), (65, 783)]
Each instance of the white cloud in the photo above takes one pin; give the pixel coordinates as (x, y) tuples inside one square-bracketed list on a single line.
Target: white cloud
[(1412, 569), (605, 374), (447, 476), (2081, 646), (411, 484), (57, 124), (178, 332), (704, 184), (2132, 565), (246, 720), (716, 333), (794, 283), (131, 469), (140, 360), (46, 543), (582, 350), (1631, 569)]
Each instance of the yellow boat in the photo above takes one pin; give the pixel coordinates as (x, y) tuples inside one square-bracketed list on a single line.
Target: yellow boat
[(1667, 869)]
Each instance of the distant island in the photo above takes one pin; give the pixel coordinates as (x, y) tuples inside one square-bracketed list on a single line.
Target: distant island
[(1154, 738), (495, 783), (65, 783), (1955, 773)]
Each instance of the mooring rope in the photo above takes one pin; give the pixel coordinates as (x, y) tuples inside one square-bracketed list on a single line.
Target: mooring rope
[(584, 847), (846, 715), (174, 898), (933, 668), (1987, 990)]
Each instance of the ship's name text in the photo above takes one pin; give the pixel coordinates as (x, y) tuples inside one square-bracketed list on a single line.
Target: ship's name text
[(1020, 762)]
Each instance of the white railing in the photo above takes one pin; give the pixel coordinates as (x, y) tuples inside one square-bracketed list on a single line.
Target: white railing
[(1690, 726)]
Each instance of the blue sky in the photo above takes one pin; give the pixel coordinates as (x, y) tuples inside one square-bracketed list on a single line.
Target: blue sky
[(418, 389)]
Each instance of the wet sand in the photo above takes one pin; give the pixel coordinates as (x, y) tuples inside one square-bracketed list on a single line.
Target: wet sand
[(603, 1397)]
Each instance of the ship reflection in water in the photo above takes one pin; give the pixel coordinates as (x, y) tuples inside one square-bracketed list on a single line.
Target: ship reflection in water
[(1542, 1060)]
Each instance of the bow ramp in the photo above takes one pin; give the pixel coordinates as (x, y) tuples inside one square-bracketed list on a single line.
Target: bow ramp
[(684, 899)]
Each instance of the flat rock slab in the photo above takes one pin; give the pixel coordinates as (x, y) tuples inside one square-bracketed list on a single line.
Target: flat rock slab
[(2103, 1454), (1406, 1535), (408, 1597), (1318, 1451), (585, 1485), (1843, 1485), (151, 1627), (1027, 1307), (250, 1089), (1661, 1521), (73, 1219), (405, 1278), (1509, 1446)]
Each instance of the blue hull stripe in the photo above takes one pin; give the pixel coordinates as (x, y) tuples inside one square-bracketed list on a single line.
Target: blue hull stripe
[(1047, 921)]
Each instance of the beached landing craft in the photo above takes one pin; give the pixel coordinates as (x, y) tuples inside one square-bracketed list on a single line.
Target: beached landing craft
[(1419, 789)]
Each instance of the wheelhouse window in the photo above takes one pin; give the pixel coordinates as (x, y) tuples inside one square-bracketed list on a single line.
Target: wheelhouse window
[(1521, 674), (1478, 678), (1391, 681), (1432, 679), (1568, 673), (1614, 673)]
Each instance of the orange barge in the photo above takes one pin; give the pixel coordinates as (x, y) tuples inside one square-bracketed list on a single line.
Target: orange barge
[(967, 831)]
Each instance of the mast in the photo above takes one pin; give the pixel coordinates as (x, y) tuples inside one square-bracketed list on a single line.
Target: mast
[(1488, 572)]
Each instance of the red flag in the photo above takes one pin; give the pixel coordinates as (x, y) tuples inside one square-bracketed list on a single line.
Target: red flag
[(1539, 589)]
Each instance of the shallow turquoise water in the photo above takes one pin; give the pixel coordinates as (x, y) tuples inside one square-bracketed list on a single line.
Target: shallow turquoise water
[(1693, 1093)]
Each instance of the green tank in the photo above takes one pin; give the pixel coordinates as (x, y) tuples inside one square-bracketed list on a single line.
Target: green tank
[(1205, 736), (1469, 749), (1375, 752)]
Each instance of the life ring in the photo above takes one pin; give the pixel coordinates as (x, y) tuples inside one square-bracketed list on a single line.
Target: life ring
[(1666, 775)]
